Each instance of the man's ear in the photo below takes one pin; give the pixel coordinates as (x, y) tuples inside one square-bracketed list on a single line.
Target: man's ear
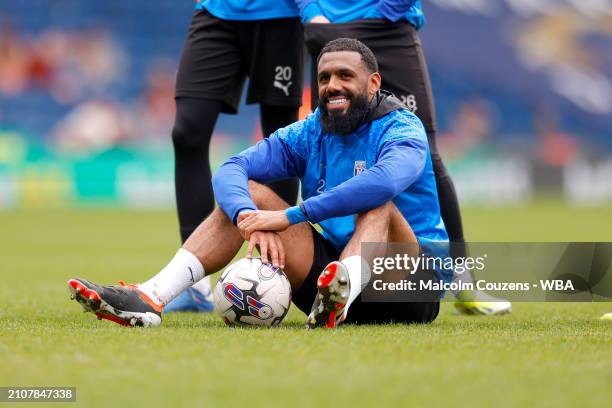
[(373, 83)]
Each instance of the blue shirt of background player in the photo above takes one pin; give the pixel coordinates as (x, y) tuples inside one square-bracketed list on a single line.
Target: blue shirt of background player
[(249, 10), (344, 11), (385, 159)]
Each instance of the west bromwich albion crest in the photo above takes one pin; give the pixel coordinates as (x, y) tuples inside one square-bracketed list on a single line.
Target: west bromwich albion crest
[(360, 166)]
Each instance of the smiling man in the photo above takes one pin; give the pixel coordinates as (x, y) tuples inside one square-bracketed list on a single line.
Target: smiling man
[(343, 104), (367, 176)]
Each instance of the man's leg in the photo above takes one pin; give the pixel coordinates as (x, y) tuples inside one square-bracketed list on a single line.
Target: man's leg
[(209, 80), (380, 225), (194, 123), (216, 241), (385, 312), (193, 128), (383, 224), (212, 245)]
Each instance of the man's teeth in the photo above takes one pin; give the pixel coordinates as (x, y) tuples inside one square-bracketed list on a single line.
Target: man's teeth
[(337, 101)]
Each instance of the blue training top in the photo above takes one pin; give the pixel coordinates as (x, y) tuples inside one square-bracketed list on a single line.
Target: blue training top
[(344, 11), (385, 159), (249, 10)]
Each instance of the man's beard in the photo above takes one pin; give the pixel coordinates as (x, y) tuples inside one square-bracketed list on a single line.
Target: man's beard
[(340, 123)]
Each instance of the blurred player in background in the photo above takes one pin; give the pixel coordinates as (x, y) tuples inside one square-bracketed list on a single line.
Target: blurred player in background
[(229, 41), (389, 29)]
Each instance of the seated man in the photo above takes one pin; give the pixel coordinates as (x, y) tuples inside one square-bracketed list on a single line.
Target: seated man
[(367, 176)]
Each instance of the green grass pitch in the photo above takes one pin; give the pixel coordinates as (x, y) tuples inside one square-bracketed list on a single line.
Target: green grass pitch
[(541, 355)]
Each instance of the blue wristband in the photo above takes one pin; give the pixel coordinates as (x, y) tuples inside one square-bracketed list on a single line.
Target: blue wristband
[(295, 215)]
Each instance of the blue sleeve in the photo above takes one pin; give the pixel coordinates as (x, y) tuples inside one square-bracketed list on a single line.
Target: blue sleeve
[(274, 158), (309, 9), (400, 163), (394, 10), (295, 215)]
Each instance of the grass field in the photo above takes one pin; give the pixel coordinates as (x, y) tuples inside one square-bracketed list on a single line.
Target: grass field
[(542, 354)]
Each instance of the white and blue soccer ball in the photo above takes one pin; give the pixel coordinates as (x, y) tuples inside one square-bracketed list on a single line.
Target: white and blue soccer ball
[(252, 293)]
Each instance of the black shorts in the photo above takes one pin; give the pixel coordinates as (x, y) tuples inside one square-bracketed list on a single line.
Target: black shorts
[(219, 55), (401, 62), (359, 312)]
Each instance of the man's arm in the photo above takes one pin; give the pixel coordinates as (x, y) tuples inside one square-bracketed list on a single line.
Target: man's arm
[(269, 160), (400, 164)]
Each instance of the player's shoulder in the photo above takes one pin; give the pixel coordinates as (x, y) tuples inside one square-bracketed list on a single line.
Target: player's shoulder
[(402, 118), (293, 131), (399, 124), (300, 135)]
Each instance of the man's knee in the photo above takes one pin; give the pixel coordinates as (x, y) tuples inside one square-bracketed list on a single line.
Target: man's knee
[(193, 124), (258, 192), (264, 197), (186, 136), (381, 213), (219, 215)]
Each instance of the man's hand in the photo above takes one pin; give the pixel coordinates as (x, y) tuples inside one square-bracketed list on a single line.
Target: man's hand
[(319, 20), (241, 217), (262, 221), (270, 247)]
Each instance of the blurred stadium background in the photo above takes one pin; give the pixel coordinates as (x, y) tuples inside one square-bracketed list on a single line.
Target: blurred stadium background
[(523, 92), (524, 99)]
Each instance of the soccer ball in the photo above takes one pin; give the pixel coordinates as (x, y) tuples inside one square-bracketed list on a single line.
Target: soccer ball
[(252, 293)]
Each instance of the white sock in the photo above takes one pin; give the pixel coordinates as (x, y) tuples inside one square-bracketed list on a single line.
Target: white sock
[(183, 271), (358, 271)]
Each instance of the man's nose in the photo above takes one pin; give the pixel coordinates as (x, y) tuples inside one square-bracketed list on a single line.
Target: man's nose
[(334, 83)]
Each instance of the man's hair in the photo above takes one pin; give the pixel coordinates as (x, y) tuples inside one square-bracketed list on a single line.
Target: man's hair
[(351, 44)]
